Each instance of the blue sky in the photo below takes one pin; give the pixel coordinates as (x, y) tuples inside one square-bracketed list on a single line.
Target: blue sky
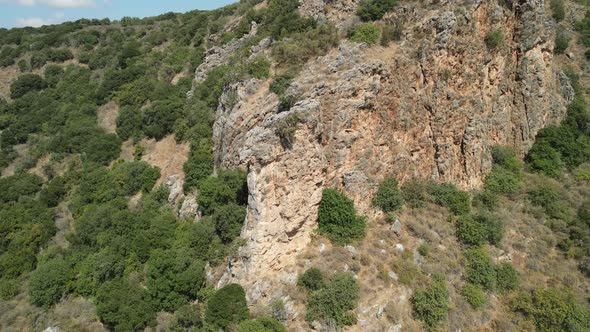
[(19, 13)]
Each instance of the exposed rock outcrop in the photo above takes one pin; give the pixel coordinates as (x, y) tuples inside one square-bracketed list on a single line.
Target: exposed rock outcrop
[(431, 106)]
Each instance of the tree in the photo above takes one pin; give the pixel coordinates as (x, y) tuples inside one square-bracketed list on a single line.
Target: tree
[(388, 196), (337, 218), (227, 306), (26, 83), (48, 282)]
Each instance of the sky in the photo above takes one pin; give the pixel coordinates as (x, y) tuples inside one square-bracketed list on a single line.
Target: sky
[(20, 13)]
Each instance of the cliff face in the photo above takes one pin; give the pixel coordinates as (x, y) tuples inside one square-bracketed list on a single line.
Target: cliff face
[(431, 105)]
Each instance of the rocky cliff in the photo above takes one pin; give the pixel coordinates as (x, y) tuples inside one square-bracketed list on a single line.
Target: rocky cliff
[(431, 105)]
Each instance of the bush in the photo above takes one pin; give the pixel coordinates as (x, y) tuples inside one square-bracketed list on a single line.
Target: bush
[(562, 41), (302, 46), (414, 192), (124, 307), (543, 158), (263, 324), (553, 309), (480, 269), (229, 220), (227, 306), (449, 196), (365, 33), (48, 282), (474, 295), (372, 10), (507, 278), (558, 9), (281, 83), (494, 38), (388, 196), (259, 68), (503, 181), (334, 302), (312, 279), (135, 176), (483, 228), (431, 304), (337, 218), (25, 84), (547, 197)]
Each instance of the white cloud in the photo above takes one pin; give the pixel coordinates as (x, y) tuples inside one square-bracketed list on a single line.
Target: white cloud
[(54, 3), (34, 22)]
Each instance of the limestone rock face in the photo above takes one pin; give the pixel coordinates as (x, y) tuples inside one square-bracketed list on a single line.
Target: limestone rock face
[(431, 105)]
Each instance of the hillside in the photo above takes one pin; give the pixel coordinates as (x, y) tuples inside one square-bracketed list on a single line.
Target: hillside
[(277, 165)]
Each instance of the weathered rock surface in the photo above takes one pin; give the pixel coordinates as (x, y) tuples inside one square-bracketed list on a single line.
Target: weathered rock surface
[(431, 105)]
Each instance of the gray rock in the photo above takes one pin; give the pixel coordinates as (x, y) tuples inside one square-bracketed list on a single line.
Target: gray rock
[(52, 329), (351, 250), (379, 312), (396, 228), (399, 247), (393, 275)]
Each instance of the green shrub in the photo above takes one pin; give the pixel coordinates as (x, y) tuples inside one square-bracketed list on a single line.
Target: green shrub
[(281, 83), (562, 41), (9, 288), (474, 295), (26, 83), (543, 158), (365, 33), (302, 46), (24, 66), (480, 229), (431, 304), (259, 68), (229, 186), (553, 309), (372, 10), (494, 38), (135, 176), (503, 181), (262, 324), (507, 278), (558, 9), (173, 279), (424, 249), (479, 268), (547, 197), (337, 218), (335, 301), (124, 307), (388, 196), (312, 279), (486, 199), (415, 192), (227, 306), (449, 196), (48, 282)]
